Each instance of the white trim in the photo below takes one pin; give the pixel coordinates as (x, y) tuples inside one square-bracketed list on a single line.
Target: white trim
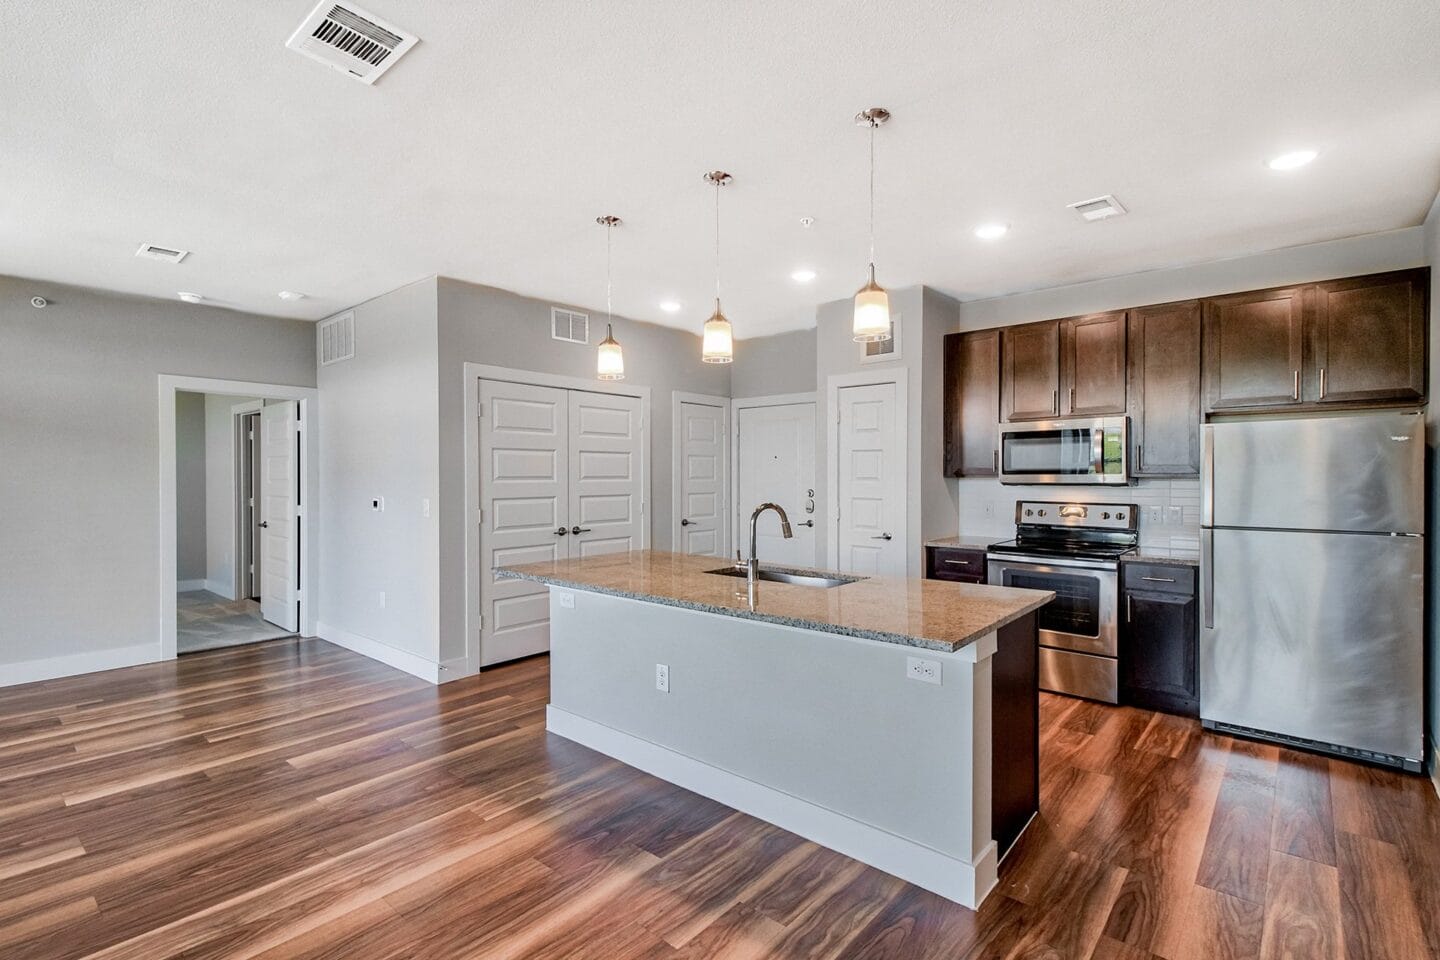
[(677, 465), (238, 571), (474, 373), (51, 668), (308, 398), (745, 403), (404, 660), (773, 400), (900, 376), (218, 588), (965, 883), (190, 586)]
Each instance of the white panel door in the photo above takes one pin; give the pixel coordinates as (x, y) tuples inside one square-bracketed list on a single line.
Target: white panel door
[(524, 478), (703, 445), (775, 462), (871, 475), (279, 498), (607, 445)]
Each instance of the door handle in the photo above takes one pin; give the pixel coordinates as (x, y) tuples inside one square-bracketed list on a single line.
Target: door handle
[(1072, 399), (883, 536), (685, 523), (561, 531), (1055, 402), (806, 523), (265, 524), (1207, 575), (577, 529), (1129, 614)]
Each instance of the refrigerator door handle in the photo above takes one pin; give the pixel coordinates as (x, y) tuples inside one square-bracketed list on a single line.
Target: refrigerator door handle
[(1207, 577), (1207, 476)]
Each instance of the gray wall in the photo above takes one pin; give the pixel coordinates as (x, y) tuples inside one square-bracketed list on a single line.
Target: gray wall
[(1432, 256), (766, 366), (189, 485), (379, 438), (79, 427), (491, 326)]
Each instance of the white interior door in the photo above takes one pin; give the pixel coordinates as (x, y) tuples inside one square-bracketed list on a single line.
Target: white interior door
[(703, 445), (524, 482), (607, 442), (871, 479), (775, 462), (279, 498)]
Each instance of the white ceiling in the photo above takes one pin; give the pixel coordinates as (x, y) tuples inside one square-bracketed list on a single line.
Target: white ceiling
[(487, 152)]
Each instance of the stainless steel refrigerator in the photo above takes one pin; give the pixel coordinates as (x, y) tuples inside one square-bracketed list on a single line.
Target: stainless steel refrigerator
[(1312, 570)]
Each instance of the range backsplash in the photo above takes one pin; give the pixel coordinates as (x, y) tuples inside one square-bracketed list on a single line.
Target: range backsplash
[(987, 508)]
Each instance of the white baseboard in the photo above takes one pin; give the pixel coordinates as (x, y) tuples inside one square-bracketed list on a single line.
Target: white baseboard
[(411, 663), (966, 884), (75, 664), (223, 588), (186, 586)]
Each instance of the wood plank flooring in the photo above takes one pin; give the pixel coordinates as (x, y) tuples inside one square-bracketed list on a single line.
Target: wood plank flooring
[(293, 800)]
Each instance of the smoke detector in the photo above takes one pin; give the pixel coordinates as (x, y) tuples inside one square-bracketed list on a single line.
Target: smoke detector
[(153, 251), (1099, 208), (354, 41)]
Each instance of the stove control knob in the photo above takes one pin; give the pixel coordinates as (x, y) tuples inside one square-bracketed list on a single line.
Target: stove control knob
[(1042, 513), (1105, 515), (1120, 515), (1029, 512)]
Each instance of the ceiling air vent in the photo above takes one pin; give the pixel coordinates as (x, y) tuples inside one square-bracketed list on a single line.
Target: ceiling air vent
[(569, 325), (336, 338), (1100, 208), (152, 251), (348, 39)]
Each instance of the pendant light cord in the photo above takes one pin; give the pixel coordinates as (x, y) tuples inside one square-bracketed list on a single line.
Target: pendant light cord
[(609, 274), (872, 195), (717, 244)]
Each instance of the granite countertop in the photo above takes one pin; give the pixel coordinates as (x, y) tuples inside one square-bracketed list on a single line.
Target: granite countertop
[(931, 614), (1179, 558), (968, 543)]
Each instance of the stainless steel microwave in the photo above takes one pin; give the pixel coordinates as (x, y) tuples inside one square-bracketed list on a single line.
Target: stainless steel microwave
[(1065, 451)]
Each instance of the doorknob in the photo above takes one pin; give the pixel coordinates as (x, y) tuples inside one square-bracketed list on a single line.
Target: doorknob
[(685, 523), (806, 523), (265, 524), (560, 531), (577, 529), (883, 536)]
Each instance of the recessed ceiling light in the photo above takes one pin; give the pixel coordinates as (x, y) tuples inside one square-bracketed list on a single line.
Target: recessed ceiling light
[(670, 306), (189, 297), (1293, 160), (803, 276), (992, 231), (291, 295)]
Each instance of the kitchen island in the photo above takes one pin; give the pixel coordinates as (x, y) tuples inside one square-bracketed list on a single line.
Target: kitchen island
[(893, 720)]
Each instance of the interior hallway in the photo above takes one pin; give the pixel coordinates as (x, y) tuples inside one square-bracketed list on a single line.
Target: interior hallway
[(207, 621)]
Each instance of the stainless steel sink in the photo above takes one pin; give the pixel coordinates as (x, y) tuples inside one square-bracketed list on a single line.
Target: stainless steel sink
[(782, 576)]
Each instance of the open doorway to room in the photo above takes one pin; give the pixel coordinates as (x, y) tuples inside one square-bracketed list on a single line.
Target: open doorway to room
[(235, 511)]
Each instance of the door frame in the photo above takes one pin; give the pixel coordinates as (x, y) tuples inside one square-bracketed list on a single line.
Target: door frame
[(836, 382), (242, 459), (741, 403), (474, 373), (677, 463), (309, 512)]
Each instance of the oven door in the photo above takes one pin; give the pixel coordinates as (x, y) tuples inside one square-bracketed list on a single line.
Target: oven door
[(1065, 451), (1083, 615)]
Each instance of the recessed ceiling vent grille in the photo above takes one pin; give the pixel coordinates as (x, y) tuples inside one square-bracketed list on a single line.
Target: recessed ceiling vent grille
[(153, 251), (1100, 208), (337, 338), (570, 326), (348, 39)]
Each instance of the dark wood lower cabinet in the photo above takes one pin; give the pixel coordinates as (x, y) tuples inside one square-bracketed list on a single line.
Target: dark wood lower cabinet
[(1159, 639), (1015, 714), (961, 564)]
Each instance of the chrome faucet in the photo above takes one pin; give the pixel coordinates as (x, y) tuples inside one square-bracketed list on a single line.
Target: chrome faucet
[(752, 567)]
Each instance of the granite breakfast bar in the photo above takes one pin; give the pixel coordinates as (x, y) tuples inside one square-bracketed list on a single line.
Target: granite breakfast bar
[(893, 720)]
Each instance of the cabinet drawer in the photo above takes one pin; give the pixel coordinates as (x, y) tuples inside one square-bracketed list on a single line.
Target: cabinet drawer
[(956, 563), (1160, 578)]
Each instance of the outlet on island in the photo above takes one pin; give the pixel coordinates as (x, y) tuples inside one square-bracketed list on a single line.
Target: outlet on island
[(926, 671), (662, 678)]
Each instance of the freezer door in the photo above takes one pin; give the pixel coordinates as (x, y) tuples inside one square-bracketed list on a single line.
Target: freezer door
[(1315, 635), (1357, 473)]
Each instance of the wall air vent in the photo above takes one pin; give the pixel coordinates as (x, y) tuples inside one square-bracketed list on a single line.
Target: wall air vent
[(569, 325), (348, 39), (335, 339), (1100, 208), (153, 251)]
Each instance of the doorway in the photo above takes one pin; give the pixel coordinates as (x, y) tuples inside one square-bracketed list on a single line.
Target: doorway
[(700, 476), (775, 463), (867, 474)]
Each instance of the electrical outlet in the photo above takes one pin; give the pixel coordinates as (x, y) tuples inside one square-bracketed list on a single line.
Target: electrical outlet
[(567, 600), (1155, 514), (926, 671), (662, 678)]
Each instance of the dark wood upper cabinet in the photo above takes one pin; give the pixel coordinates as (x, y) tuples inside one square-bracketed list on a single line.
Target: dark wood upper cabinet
[(1092, 365), (1255, 348), (1030, 365), (972, 403), (1368, 342), (1164, 391)]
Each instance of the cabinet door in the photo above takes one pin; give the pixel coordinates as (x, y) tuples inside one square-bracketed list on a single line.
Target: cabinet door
[(1254, 348), (1158, 646), (972, 403), (1092, 364), (1165, 390), (1369, 339), (1030, 371)]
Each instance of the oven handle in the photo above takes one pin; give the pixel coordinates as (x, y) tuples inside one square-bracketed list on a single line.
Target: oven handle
[(1032, 563)]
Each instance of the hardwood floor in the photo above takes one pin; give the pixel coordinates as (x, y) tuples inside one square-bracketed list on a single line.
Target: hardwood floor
[(294, 800)]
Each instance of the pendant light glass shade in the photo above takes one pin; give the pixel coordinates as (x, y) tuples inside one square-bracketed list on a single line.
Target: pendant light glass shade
[(872, 312), (719, 342), (610, 361)]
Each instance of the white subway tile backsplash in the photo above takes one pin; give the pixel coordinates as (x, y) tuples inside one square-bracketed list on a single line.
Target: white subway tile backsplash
[(987, 507)]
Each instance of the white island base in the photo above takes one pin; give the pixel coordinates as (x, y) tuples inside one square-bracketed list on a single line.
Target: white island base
[(818, 733)]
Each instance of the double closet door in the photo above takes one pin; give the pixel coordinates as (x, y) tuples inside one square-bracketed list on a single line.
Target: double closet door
[(561, 475)]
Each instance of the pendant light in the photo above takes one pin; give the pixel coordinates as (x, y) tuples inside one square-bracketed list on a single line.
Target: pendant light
[(718, 345), (872, 303), (609, 361)]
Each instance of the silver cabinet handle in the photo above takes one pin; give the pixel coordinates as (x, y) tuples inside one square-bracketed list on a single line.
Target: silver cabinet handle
[(1322, 383), (1159, 579), (1295, 393), (883, 536), (959, 563), (1129, 613), (577, 529), (561, 531)]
